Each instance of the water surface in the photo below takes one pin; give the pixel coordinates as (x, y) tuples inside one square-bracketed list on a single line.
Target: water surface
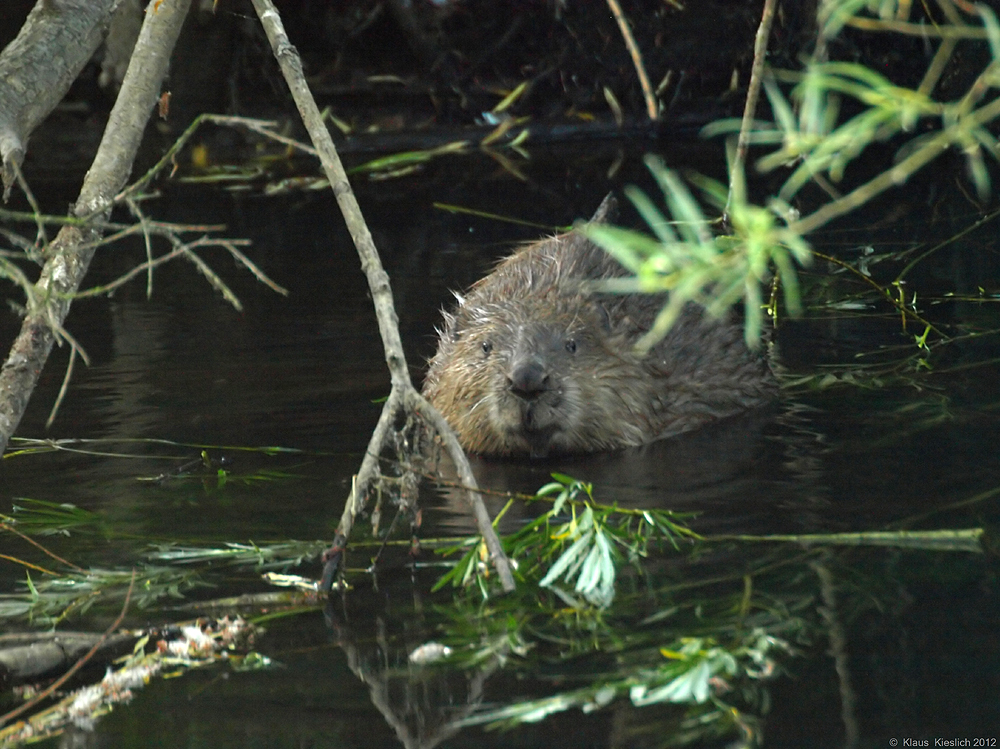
[(306, 372)]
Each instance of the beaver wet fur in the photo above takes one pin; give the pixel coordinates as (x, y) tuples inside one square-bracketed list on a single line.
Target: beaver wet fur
[(533, 363)]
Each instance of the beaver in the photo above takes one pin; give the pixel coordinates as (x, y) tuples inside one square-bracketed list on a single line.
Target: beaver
[(535, 362)]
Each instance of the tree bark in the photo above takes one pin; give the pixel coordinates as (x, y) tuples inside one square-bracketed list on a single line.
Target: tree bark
[(38, 67), (69, 255)]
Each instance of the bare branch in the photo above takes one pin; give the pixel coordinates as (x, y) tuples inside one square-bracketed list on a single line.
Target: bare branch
[(63, 389), (147, 241), (212, 277), (403, 396), (70, 253)]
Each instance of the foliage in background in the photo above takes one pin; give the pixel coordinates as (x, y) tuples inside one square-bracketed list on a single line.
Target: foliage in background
[(756, 243), (695, 265)]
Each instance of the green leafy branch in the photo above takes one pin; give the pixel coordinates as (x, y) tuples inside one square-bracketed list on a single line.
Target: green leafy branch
[(693, 671), (51, 599), (582, 552), (693, 264), (686, 258)]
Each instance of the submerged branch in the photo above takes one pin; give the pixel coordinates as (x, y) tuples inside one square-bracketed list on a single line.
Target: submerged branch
[(969, 539)]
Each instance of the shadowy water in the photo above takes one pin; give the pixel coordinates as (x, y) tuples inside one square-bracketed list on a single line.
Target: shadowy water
[(306, 372)]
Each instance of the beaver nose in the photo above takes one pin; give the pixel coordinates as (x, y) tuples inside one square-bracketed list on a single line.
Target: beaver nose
[(528, 380)]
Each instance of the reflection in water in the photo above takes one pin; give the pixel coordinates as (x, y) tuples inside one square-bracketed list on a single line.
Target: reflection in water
[(139, 346), (420, 704), (759, 472)]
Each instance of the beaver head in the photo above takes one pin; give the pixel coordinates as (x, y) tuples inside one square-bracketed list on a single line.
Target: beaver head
[(536, 360), (531, 364)]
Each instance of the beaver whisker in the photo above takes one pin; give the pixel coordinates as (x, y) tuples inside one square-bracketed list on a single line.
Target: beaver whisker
[(481, 401)]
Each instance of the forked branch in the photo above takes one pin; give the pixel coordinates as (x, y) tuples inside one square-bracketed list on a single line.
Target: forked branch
[(403, 397)]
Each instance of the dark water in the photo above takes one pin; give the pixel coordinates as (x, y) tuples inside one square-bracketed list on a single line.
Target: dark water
[(306, 372)]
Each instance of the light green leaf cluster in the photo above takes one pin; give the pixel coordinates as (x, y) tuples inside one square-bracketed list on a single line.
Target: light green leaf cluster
[(586, 549), (691, 263), (687, 675), (694, 671), (590, 560)]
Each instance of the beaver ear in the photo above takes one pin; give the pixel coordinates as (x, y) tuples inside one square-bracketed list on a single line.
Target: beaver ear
[(606, 211)]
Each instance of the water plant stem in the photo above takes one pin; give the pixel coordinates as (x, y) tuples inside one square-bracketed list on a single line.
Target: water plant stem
[(633, 50), (753, 94)]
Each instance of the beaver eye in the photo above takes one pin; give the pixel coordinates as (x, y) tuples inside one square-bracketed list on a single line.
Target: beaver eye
[(571, 345), (487, 347)]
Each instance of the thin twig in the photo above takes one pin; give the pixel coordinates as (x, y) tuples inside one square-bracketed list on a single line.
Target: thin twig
[(212, 277), (263, 127), (950, 240), (63, 335), (106, 225), (900, 306), (62, 390), (11, 529), (13, 272), (122, 280), (133, 206), (32, 566), (230, 245), (923, 30), (42, 238), (753, 94), (266, 130), (633, 50)]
